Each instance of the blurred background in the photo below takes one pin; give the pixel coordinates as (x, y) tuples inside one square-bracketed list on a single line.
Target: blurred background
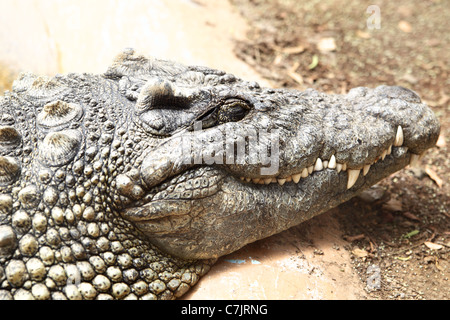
[(328, 45)]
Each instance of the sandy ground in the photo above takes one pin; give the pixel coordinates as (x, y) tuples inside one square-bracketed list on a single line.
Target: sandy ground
[(49, 37)]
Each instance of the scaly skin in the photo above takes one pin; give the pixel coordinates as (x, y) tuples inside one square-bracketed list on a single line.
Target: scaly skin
[(109, 191)]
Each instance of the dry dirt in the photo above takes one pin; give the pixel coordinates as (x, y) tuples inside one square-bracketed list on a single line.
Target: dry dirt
[(399, 235)]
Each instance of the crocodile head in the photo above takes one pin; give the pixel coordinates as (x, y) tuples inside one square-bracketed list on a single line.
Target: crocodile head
[(230, 162), (140, 175)]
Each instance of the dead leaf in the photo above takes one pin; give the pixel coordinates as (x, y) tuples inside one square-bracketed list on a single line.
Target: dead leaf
[(433, 246), (363, 34), (326, 44), (354, 238), (441, 143), (411, 216), (360, 253), (393, 205), (293, 50), (433, 175), (314, 62), (404, 26), (289, 50)]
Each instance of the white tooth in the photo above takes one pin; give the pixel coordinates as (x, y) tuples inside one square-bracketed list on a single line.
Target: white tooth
[(366, 169), (274, 180), (389, 150), (398, 137), (296, 177), (414, 160), (289, 179), (310, 169), (352, 177), (339, 167), (319, 165), (344, 167), (305, 173), (332, 163), (256, 180), (281, 181), (422, 155), (267, 180), (383, 155), (325, 164)]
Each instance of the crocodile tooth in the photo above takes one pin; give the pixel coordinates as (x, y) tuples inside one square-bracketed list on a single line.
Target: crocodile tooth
[(319, 165), (414, 160), (383, 155), (332, 162), (256, 180), (366, 169), (248, 179), (398, 137), (325, 164), (305, 173), (267, 180), (344, 167), (352, 177), (281, 181), (274, 180), (289, 179), (296, 177), (389, 150), (310, 169), (242, 178), (339, 167)]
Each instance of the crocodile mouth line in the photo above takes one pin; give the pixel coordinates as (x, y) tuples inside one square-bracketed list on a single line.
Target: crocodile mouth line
[(331, 163)]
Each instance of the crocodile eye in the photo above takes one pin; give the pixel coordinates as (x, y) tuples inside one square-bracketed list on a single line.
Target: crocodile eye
[(230, 110)]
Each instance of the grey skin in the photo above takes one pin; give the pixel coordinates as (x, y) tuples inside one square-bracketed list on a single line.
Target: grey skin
[(107, 192)]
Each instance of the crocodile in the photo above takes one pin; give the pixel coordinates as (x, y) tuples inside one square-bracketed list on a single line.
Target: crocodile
[(130, 184)]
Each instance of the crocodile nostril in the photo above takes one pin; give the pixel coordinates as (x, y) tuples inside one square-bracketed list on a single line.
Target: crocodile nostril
[(397, 92), (8, 240)]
